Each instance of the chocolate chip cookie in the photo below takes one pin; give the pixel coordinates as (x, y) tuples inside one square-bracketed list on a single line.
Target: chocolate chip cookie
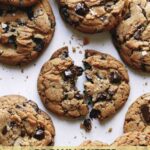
[(89, 143), (56, 86), (23, 123), (132, 36), (107, 86), (133, 139), (92, 16), (138, 115), (25, 32), (19, 3)]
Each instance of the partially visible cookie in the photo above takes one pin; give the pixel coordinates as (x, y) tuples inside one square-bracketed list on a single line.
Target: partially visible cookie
[(132, 36), (107, 86), (138, 115), (92, 16), (133, 139), (90, 143), (25, 32), (19, 3), (57, 86), (23, 123)]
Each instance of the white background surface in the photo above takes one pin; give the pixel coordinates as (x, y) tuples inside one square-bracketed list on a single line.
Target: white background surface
[(68, 132)]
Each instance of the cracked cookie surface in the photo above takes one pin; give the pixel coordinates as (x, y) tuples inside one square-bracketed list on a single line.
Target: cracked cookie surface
[(132, 36), (56, 86), (23, 123), (107, 86), (92, 16), (19, 3), (25, 32), (90, 143), (133, 139), (138, 115)]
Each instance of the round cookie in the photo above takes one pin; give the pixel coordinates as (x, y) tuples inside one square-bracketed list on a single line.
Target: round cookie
[(132, 36), (56, 86), (19, 3), (138, 115), (90, 143), (107, 86), (25, 32), (92, 16), (23, 123), (133, 139)]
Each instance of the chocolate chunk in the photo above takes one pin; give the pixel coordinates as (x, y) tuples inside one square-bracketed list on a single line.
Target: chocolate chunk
[(4, 130), (87, 125), (115, 77), (1, 12), (64, 55), (12, 124), (94, 113), (81, 9), (5, 28), (77, 70), (12, 40), (103, 96), (87, 66), (145, 110), (39, 44), (64, 12), (39, 134), (23, 133), (30, 13)]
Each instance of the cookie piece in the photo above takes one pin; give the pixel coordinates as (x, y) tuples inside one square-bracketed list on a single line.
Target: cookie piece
[(138, 115), (19, 3), (133, 139), (92, 16), (56, 86), (107, 87), (132, 36), (90, 143), (23, 123), (25, 32)]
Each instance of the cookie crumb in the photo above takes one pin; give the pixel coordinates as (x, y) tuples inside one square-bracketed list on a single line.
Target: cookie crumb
[(86, 125), (74, 50), (109, 130), (86, 41)]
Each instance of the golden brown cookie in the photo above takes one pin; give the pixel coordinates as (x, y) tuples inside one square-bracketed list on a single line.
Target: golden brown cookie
[(107, 86), (23, 123), (138, 115), (133, 139), (132, 36), (92, 16), (25, 32), (57, 86), (19, 3)]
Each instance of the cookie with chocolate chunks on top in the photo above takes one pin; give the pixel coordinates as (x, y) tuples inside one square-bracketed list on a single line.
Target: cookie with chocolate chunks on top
[(138, 115), (92, 16), (23, 123), (57, 86), (25, 32), (107, 86)]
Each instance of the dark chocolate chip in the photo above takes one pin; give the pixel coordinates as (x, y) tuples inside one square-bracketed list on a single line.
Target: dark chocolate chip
[(68, 75), (30, 13), (64, 12), (89, 78), (12, 124), (87, 66), (94, 113), (39, 134), (77, 70), (4, 130), (81, 9), (23, 133), (145, 110), (64, 55), (12, 40), (39, 44), (1, 12), (115, 77), (87, 125)]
